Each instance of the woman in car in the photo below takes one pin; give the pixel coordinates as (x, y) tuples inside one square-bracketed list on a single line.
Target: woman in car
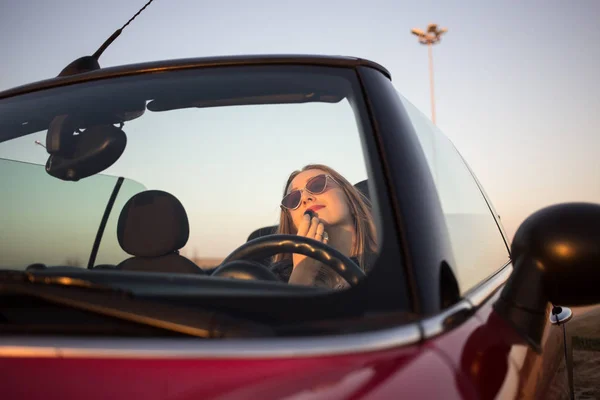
[(341, 218)]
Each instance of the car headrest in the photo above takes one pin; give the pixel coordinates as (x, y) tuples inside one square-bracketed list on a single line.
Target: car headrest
[(153, 223), (363, 187), (260, 232)]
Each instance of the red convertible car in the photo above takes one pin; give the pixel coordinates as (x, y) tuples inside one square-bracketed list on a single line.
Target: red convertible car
[(272, 227)]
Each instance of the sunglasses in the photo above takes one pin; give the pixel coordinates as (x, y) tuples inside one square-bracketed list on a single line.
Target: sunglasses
[(315, 185)]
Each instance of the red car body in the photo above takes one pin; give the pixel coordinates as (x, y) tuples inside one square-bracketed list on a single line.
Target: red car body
[(472, 349)]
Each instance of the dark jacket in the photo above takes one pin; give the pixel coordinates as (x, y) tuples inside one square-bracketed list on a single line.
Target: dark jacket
[(328, 278)]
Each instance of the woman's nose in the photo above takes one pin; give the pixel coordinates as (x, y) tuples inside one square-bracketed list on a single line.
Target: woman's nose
[(307, 196)]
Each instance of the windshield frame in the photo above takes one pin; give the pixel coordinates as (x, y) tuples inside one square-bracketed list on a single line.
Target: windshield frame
[(194, 63)]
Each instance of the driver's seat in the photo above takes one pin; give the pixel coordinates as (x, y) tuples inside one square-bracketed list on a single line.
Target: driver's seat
[(153, 227)]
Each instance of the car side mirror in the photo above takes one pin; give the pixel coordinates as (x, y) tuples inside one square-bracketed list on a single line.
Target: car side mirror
[(556, 259)]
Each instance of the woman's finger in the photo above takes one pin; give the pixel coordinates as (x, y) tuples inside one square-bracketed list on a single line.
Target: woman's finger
[(304, 225), (312, 230), (319, 232)]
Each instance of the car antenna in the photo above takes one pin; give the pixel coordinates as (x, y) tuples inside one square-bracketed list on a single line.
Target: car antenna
[(90, 63)]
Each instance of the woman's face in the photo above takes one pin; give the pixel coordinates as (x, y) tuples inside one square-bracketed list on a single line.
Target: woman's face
[(331, 206)]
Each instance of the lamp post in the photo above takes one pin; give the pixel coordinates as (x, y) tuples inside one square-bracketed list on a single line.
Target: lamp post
[(430, 37)]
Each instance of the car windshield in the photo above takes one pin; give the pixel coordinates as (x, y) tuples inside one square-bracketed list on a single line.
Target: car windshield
[(149, 172)]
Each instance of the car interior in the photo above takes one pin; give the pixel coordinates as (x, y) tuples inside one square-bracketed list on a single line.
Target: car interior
[(153, 227)]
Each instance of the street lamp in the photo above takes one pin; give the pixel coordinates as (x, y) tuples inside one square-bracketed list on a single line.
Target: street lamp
[(430, 37)]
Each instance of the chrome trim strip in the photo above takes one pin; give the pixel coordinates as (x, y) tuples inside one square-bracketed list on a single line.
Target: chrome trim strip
[(446, 320), (487, 289), (60, 347)]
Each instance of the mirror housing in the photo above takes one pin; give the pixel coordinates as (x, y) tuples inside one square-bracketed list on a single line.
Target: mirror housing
[(74, 157), (556, 259)]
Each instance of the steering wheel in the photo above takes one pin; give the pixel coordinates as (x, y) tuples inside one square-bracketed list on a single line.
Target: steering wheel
[(270, 245)]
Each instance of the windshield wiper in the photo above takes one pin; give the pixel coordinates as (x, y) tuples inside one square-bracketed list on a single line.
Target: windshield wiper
[(122, 304)]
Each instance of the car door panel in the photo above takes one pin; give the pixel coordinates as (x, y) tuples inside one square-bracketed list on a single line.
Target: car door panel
[(500, 364)]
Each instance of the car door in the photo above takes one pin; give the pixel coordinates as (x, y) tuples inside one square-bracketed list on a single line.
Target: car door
[(485, 351)]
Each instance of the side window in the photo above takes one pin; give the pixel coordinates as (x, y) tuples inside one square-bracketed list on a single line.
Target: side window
[(66, 215), (479, 248)]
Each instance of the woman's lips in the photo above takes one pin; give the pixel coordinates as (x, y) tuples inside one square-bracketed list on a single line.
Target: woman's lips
[(315, 208)]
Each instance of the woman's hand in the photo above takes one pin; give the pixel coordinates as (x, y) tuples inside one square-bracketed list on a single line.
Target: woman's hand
[(311, 228), (305, 268)]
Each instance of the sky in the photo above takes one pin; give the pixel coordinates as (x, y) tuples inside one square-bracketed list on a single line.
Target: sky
[(515, 82)]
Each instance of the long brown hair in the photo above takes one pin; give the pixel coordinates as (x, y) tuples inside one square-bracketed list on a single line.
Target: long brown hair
[(360, 208)]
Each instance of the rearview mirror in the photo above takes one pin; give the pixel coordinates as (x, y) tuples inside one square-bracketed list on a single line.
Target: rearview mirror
[(75, 157), (556, 259)]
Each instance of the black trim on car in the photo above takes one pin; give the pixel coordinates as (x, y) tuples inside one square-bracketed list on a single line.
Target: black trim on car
[(192, 63), (100, 232), (424, 236)]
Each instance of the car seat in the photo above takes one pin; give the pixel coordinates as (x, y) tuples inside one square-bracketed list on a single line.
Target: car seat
[(153, 227)]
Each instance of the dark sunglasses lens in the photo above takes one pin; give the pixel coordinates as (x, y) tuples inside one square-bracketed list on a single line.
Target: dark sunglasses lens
[(292, 199), (317, 184)]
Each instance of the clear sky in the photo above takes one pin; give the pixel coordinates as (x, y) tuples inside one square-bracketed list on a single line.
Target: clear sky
[(517, 87)]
